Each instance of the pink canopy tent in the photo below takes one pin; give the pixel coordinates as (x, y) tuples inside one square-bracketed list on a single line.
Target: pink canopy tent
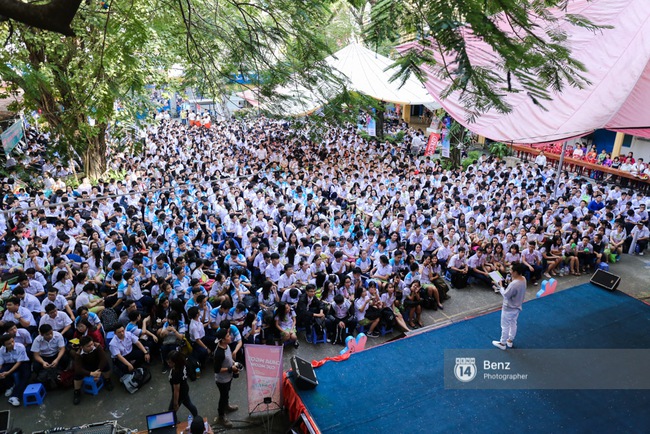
[(618, 67)]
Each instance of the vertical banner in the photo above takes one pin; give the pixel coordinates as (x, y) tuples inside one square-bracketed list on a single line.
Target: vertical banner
[(264, 377), (444, 150), (446, 137), (431, 144), (12, 136), (372, 126)]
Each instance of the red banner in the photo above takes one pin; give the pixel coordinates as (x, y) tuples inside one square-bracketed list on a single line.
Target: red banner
[(431, 144)]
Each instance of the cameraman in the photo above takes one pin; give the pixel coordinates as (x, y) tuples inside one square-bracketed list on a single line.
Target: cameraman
[(224, 369)]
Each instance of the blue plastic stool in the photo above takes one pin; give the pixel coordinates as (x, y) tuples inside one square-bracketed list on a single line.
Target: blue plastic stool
[(109, 337), (34, 394), (384, 331), (91, 387), (315, 339)]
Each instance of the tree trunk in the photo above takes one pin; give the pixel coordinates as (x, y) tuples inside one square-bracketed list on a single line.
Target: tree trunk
[(454, 154), (95, 155), (380, 123)]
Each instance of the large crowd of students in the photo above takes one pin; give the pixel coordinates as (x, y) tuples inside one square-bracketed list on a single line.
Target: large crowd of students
[(257, 227)]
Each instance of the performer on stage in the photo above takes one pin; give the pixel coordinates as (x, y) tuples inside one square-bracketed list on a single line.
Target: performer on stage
[(513, 298)]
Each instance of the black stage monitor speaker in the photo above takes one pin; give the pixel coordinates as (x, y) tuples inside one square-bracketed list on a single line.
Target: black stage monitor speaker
[(304, 373), (605, 280), (4, 421)]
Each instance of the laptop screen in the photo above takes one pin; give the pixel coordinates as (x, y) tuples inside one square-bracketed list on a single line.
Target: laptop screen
[(161, 420)]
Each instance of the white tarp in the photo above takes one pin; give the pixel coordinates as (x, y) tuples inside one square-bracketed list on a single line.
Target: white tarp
[(363, 71)]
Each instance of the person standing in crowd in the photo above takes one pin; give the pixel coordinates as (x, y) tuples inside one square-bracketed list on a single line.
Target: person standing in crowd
[(513, 298), (540, 160), (224, 369)]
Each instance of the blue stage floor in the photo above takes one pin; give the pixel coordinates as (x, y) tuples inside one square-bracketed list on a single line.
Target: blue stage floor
[(399, 387)]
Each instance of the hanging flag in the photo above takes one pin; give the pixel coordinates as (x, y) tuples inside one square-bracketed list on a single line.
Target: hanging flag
[(431, 144)]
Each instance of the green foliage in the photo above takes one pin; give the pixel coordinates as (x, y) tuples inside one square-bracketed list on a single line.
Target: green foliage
[(72, 181), (76, 81), (533, 57), (446, 163), (396, 139), (23, 176), (119, 50), (117, 175), (272, 42), (365, 136), (500, 150), (472, 157)]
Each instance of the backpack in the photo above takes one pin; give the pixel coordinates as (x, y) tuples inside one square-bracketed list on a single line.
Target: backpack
[(191, 366), (136, 379), (459, 280), (428, 302), (388, 316), (109, 319)]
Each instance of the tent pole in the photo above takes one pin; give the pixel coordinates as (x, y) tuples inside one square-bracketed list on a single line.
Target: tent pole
[(559, 168)]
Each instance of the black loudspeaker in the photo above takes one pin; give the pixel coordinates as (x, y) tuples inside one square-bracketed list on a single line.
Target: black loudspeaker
[(605, 280), (305, 377)]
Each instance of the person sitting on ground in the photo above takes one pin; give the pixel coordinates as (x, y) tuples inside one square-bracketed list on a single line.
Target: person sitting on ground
[(390, 300), (413, 303), (532, 259), (309, 310), (457, 266), (85, 328), (20, 335), (14, 369), (50, 355), (285, 323), (88, 299), (340, 322), (58, 300), (641, 234), (127, 351), (28, 301), (59, 321), (476, 265), (15, 313)]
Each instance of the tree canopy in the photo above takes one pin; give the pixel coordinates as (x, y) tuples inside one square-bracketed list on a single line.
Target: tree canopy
[(76, 66), (529, 47), (118, 47)]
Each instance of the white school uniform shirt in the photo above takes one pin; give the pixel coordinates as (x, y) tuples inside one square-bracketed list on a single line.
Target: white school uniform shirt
[(24, 314), (197, 331), (48, 348), (273, 272), (61, 321), (123, 347)]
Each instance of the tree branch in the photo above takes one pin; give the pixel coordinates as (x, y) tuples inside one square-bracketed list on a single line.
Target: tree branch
[(55, 16)]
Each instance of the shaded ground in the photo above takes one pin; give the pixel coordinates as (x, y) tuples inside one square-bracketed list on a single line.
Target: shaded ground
[(130, 410)]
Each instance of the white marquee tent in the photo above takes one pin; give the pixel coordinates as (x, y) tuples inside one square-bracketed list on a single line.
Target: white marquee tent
[(363, 71)]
